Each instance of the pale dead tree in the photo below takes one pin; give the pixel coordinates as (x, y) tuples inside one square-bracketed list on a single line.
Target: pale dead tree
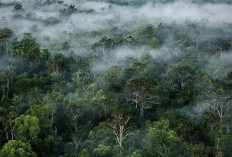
[(220, 104), (148, 101), (143, 101), (179, 74), (140, 93), (165, 149), (119, 126), (75, 113), (135, 98), (10, 127), (210, 117), (76, 145), (183, 76), (222, 45)]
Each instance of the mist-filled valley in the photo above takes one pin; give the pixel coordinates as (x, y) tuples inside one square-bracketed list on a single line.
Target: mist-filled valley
[(115, 78)]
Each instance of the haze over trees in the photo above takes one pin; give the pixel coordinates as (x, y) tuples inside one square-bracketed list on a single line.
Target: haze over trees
[(115, 78)]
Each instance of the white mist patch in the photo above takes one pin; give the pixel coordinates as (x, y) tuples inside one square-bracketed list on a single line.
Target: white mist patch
[(197, 110), (96, 6), (200, 108), (182, 11), (115, 57), (219, 66), (99, 67), (46, 20), (122, 53)]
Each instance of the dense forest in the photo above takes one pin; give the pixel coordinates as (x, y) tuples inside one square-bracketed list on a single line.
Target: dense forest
[(115, 78)]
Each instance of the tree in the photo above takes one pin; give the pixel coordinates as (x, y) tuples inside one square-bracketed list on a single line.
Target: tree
[(81, 79), (119, 125), (73, 112), (141, 93), (7, 78), (195, 149), (59, 66), (18, 7), (180, 74), (25, 128), (220, 103), (27, 52), (223, 147), (181, 82), (160, 140), (110, 80), (103, 151), (42, 113), (104, 43), (16, 148), (104, 103), (136, 154), (46, 137), (218, 100), (159, 31), (222, 45), (84, 153), (5, 35), (57, 103), (27, 48), (69, 10)]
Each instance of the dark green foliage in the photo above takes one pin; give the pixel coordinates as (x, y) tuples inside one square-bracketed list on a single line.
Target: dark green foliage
[(175, 104), (69, 10), (18, 7), (17, 148)]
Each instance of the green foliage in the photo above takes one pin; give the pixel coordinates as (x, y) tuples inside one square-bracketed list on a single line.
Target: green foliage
[(26, 128), (160, 139), (170, 97), (17, 148), (136, 154), (84, 153), (18, 7), (5, 33), (195, 150), (223, 145), (103, 150), (69, 10)]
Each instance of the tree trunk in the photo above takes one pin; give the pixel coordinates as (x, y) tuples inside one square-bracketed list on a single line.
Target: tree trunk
[(141, 111), (7, 55), (7, 88), (52, 116), (221, 52)]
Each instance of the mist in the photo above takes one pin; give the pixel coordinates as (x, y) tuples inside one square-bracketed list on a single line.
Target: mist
[(35, 18), (165, 66), (97, 19)]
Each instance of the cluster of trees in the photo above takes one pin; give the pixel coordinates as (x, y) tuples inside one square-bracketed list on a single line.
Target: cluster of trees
[(52, 104)]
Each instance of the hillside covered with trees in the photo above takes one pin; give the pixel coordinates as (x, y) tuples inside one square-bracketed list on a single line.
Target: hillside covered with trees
[(115, 78)]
